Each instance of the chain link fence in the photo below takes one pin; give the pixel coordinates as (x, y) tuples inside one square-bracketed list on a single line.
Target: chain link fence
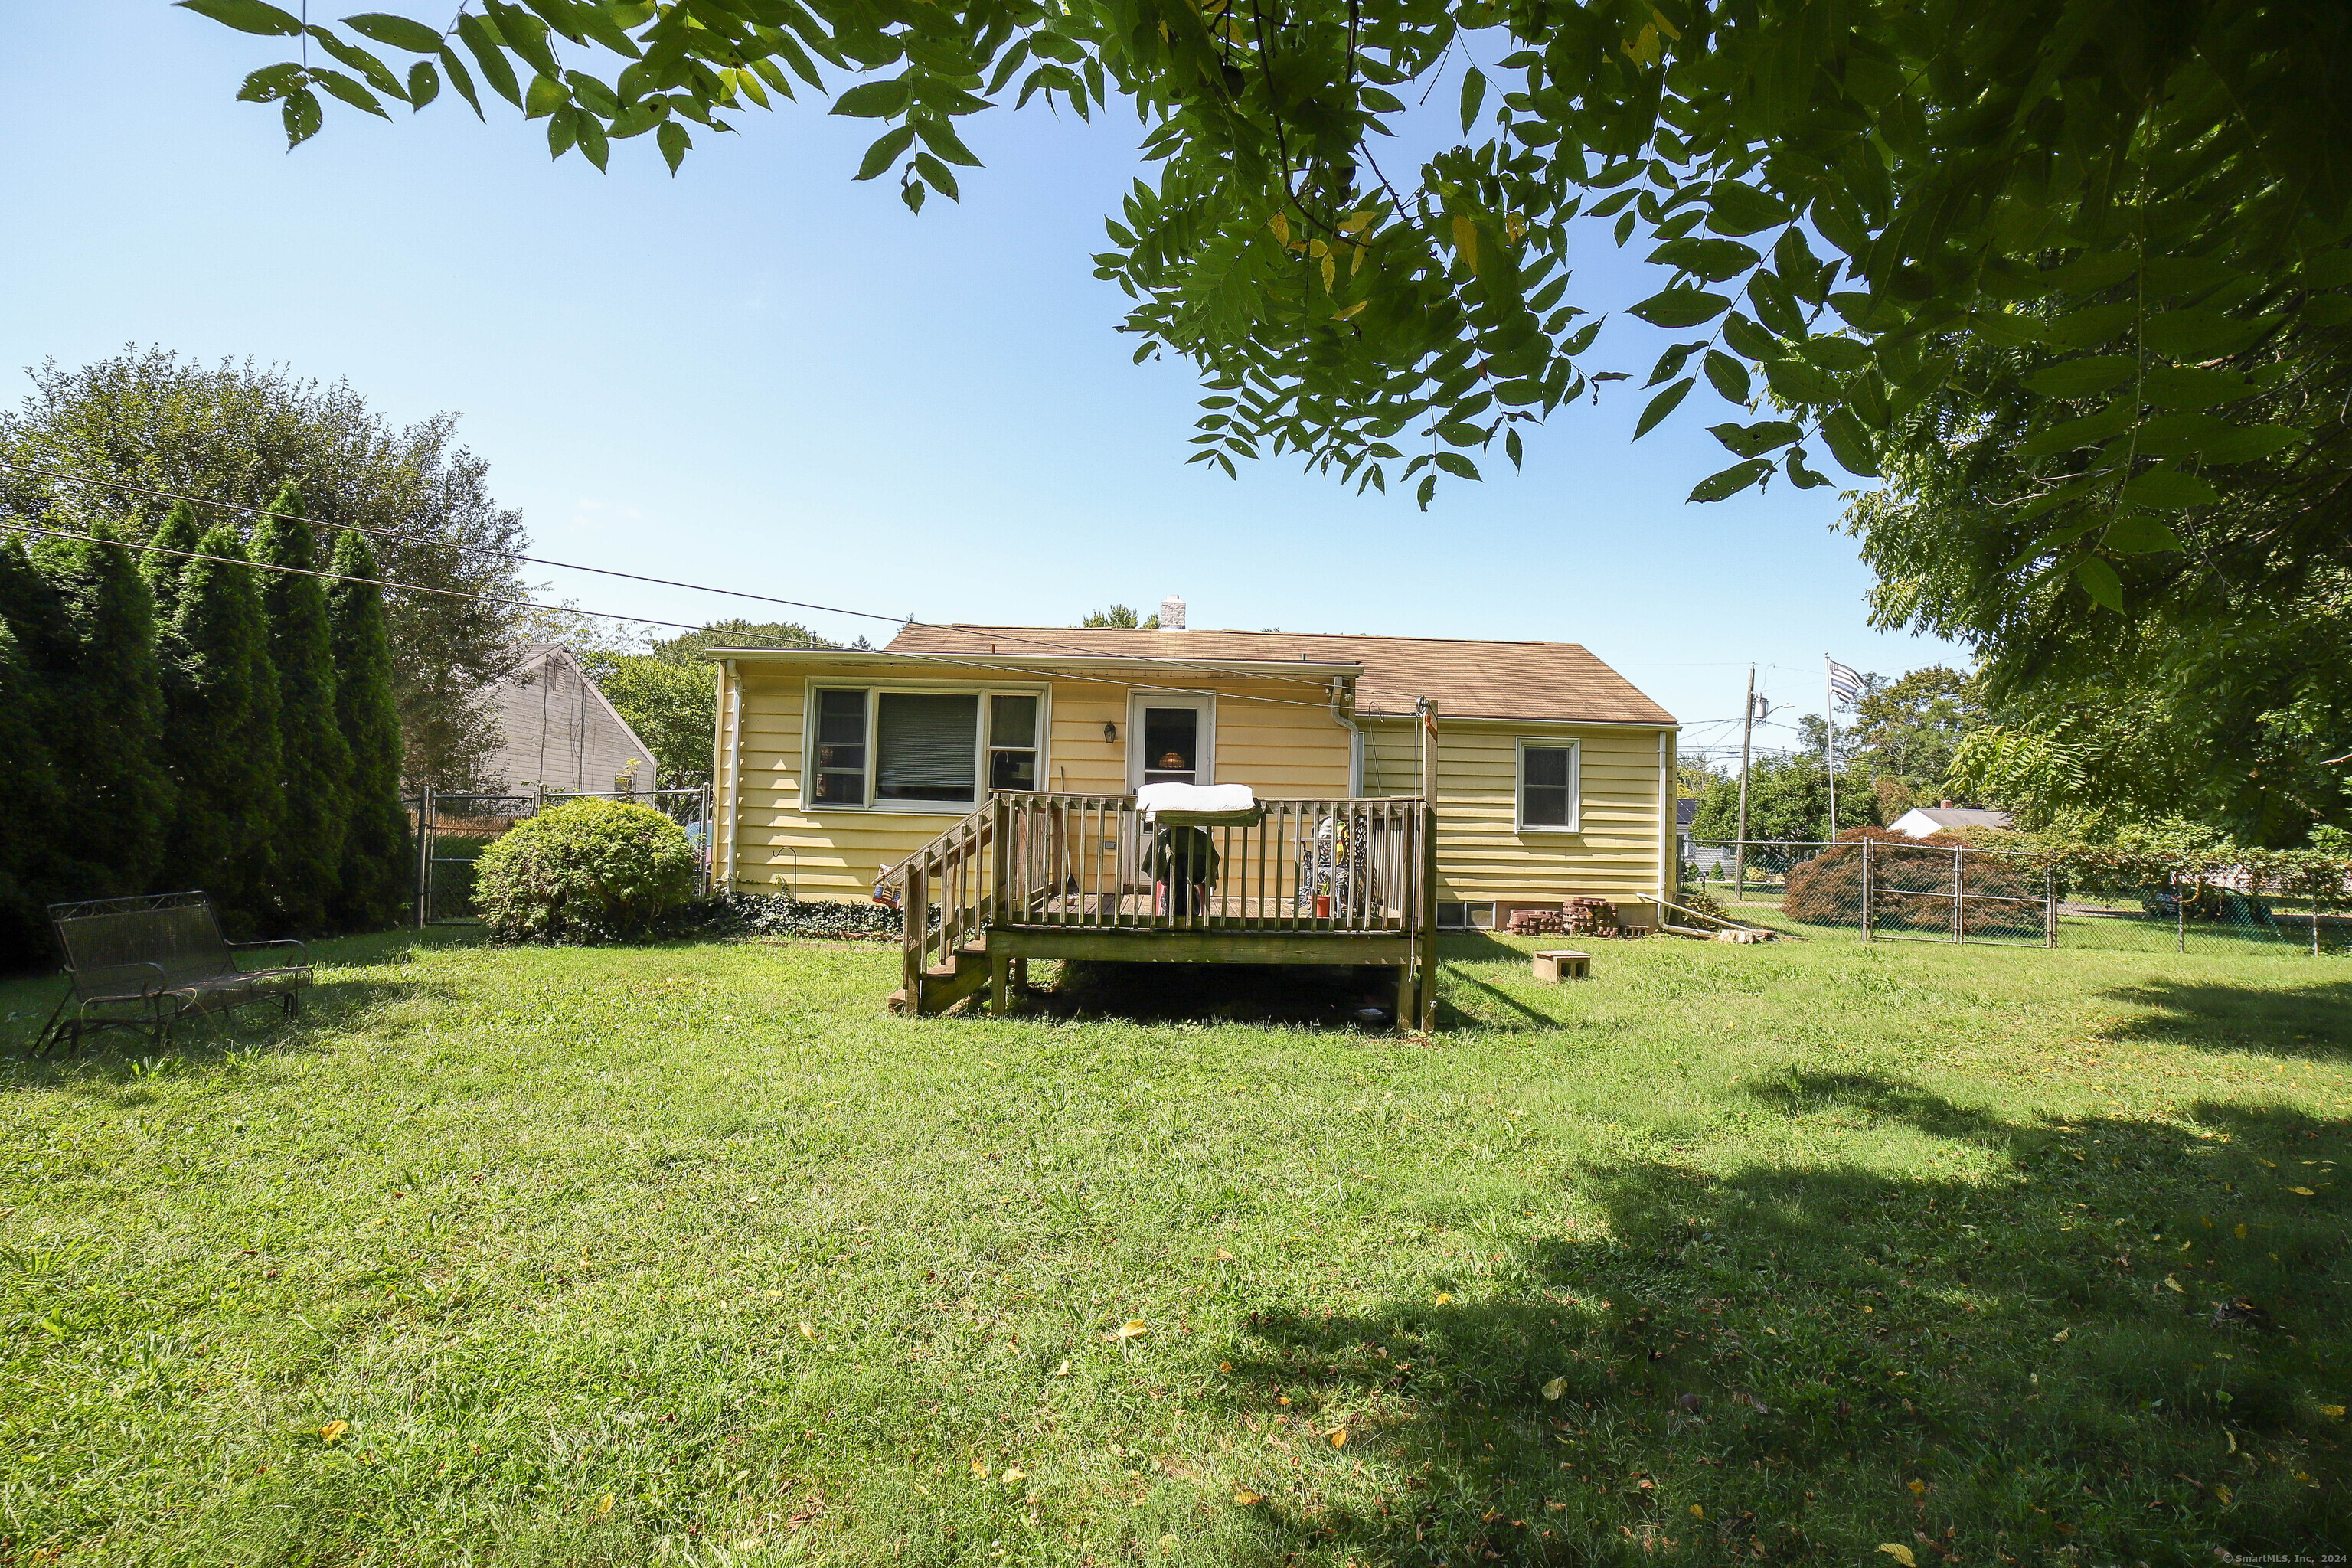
[(1884, 888), (452, 830)]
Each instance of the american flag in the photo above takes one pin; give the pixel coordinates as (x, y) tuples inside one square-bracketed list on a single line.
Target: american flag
[(1845, 681)]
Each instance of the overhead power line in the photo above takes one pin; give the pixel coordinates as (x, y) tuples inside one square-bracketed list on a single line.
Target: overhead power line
[(961, 663), (574, 566)]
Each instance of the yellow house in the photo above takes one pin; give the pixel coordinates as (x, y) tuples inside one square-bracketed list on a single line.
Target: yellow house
[(996, 766)]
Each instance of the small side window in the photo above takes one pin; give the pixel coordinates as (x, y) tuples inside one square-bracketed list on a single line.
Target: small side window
[(840, 749), (1547, 786), (1013, 742)]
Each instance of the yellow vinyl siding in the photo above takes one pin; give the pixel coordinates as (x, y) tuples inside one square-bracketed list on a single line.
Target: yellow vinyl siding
[(1481, 854), (1279, 751)]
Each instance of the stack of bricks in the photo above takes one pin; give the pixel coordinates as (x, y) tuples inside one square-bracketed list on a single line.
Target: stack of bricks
[(1539, 922), (1590, 917)]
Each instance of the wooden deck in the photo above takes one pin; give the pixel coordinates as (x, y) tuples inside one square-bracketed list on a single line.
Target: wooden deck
[(1136, 909), (1055, 876)]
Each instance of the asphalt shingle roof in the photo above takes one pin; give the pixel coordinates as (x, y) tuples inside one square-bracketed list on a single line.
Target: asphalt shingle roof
[(1466, 680)]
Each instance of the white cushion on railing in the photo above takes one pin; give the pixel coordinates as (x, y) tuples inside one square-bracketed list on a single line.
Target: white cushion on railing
[(1194, 801)]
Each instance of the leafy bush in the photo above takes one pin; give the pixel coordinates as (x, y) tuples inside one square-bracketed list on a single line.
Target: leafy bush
[(587, 870)]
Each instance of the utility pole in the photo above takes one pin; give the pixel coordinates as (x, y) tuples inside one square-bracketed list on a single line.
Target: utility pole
[(1746, 730)]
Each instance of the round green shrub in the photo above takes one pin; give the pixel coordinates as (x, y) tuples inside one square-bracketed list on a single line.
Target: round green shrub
[(587, 870)]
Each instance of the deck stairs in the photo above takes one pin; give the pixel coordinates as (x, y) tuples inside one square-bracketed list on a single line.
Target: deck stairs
[(945, 985)]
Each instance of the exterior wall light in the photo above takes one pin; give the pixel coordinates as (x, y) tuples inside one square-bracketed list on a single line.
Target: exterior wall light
[(1110, 734)]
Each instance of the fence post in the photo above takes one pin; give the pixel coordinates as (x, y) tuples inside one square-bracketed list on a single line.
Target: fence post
[(423, 855), (2050, 906), (2179, 917), (1865, 890), (1960, 894)]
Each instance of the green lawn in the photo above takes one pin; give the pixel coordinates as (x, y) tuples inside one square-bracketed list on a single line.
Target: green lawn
[(690, 1254)]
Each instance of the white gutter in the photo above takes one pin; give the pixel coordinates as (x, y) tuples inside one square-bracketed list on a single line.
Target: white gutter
[(1668, 845)]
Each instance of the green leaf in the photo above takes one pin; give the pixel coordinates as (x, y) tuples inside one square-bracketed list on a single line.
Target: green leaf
[(544, 98), (1662, 406), (941, 178), (2088, 431), (2099, 580), (1727, 375), (460, 78), (1736, 209), (1755, 440), (492, 57), (301, 115), (1731, 480), (673, 141), (2168, 489), (2201, 334), (423, 84), (1670, 363), (1849, 444), (348, 90), (2136, 534), (1474, 93), (1839, 354), (1794, 381), (399, 32), (1803, 478), (593, 144), (885, 150), (1674, 308), (941, 138), (378, 76), (561, 132), (1746, 338), (2082, 329), (875, 100), (246, 16), (1460, 467), (1458, 433), (2081, 377), (526, 35), (1712, 259)]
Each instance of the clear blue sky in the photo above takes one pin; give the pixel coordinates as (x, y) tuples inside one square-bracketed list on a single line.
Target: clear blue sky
[(761, 374)]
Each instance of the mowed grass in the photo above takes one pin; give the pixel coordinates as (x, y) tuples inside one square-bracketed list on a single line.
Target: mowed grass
[(691, 1254)]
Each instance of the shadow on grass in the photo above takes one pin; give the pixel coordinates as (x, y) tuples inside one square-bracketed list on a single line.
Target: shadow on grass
[(2297, 1020), (2097, 1342), (1328, 996), (363, 974)]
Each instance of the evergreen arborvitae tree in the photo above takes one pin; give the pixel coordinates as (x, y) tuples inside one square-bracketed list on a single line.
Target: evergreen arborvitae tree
[(26, 878), (317, 760), (221, 730), (162, 571), (101, 719), (376, 881)]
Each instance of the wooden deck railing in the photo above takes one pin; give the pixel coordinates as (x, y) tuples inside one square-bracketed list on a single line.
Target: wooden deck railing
[(1345, 867)]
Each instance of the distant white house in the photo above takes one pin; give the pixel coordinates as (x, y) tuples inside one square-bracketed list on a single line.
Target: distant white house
[(557, 732), (1921, 821)]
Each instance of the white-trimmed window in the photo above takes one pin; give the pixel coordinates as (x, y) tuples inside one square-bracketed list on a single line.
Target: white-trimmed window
[(1549, 795), (884, 748)]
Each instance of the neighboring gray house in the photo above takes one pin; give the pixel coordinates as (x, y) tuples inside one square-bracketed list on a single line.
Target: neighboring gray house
[(1921, 821), (557, 730)]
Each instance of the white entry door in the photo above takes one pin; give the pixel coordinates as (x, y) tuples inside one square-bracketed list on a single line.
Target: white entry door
[(1171, 738)]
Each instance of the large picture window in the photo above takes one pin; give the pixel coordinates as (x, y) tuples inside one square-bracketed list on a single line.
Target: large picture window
[(1548, 786), (914, 751)]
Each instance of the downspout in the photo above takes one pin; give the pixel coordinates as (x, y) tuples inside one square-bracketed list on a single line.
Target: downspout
[(734, 697), (1342, 711), (1669, 843)]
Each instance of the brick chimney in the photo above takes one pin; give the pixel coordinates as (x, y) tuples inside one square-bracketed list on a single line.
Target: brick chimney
[(1171, 613)]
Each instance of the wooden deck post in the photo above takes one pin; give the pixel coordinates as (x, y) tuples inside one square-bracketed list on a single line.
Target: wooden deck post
[(916, 922), (999, 981), (1426, 949)]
